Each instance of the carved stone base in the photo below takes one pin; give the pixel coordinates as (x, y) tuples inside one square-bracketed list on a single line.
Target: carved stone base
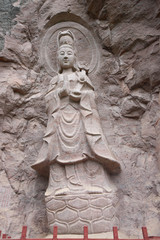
[(70, 213)]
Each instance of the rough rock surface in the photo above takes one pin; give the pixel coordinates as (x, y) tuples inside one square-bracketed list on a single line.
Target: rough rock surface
[(127, 86)]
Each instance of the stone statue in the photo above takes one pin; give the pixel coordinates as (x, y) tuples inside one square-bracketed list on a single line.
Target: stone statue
[(75, 153)]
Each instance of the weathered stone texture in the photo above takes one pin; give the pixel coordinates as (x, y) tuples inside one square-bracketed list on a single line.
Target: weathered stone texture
[(8, 11), (127, 86)]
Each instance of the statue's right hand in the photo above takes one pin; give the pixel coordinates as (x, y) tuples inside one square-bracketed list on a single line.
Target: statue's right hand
[(63, 92)]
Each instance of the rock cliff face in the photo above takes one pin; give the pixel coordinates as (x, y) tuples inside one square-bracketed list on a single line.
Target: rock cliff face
[(127, 86)]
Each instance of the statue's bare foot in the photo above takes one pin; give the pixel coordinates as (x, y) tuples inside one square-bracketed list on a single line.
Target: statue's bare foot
[(62, 191), (95, 190)]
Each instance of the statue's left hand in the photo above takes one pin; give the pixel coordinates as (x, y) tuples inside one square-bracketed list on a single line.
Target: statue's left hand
[(75, 95)]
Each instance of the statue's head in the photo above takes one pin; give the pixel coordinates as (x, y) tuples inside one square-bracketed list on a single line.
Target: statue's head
[(66, 51)]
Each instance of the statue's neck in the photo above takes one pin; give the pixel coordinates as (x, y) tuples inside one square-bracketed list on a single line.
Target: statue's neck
[(67, 71)]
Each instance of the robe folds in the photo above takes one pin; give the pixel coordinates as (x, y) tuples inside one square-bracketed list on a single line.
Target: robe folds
[(74, 132)]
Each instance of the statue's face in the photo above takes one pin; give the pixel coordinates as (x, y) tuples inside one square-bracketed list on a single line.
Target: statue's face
[(66, 57)]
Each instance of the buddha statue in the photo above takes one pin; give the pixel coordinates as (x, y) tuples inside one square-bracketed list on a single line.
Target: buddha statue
[(75, 153)]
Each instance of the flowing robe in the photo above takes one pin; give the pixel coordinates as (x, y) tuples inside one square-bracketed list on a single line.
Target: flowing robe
[(74, 132)]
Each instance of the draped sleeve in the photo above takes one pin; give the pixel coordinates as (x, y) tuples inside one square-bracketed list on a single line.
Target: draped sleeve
[(94, 132), (52, 106)]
